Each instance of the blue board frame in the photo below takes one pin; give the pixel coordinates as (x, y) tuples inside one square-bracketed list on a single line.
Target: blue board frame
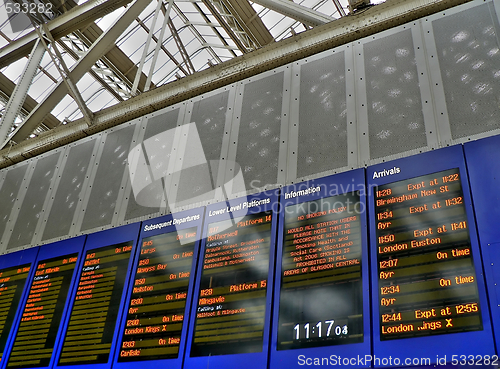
[(483, 163), (163, 228), (437, 346), (94, 241), (57, 249), (257, 360), (329, 186), (27, 256)]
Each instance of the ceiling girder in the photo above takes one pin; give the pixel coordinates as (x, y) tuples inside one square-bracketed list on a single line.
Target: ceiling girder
[(102, 74), (76, 18), (20, 92), (250, 21), (63, 70), (229, 30), (97, 50), (169, 54), (295, 11), (199, 36), (7, 88)]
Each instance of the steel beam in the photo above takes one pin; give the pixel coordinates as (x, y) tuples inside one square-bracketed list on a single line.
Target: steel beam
[(60, 65), (166, 20), (18, 97), (145, 52), (250, 21), (298, 12), (105, 42), (225, 25), (76, 18)]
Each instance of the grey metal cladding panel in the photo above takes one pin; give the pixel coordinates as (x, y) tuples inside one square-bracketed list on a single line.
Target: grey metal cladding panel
[(209, 114), (469, 59), (8, 193), (323, 116), (32, 206), (69, 192), (155, 125), (395, 116), (259, 132), (161, 123), (103, 197)]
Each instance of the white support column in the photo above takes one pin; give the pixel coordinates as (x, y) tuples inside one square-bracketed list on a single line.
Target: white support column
[(18, 97), (298, 12), (146, 49), (158, 45)]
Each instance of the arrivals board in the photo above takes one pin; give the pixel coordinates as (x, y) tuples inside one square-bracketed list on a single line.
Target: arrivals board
[(159, 301), (322, 271), (98, 298), (15, 270), (427, 278), (40, 325), (231, 312), (483, 168)]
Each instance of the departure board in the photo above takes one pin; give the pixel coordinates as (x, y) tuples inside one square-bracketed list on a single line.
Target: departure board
[(92, 322), (231, 301), (156, 308), (321, 298), (12, 282), (426, 276), (37, 332)]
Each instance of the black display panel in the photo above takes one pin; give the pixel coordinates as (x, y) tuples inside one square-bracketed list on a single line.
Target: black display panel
[(12, 282), (231, 302), (426, 276), (155, 310), (91, 326), (41, 317), (321, 296)]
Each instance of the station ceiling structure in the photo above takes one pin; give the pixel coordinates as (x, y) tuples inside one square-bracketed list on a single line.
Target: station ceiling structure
[(83, 66)]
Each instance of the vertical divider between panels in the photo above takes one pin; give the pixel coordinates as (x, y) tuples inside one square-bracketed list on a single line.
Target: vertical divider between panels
[(172, 180), (85, 193), (496, 6), (437, 96), (3, 174), (353, 148), (233, 138), (89, 181), (361, 121), (293, 123), (126, 186), (286, 115), (17, 205), (226, 139), (49, 198), (120, 199), (431, 130)]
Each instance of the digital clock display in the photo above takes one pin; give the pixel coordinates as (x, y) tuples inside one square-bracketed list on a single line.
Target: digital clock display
[(426, 277), (328, 328), (321, 301)]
